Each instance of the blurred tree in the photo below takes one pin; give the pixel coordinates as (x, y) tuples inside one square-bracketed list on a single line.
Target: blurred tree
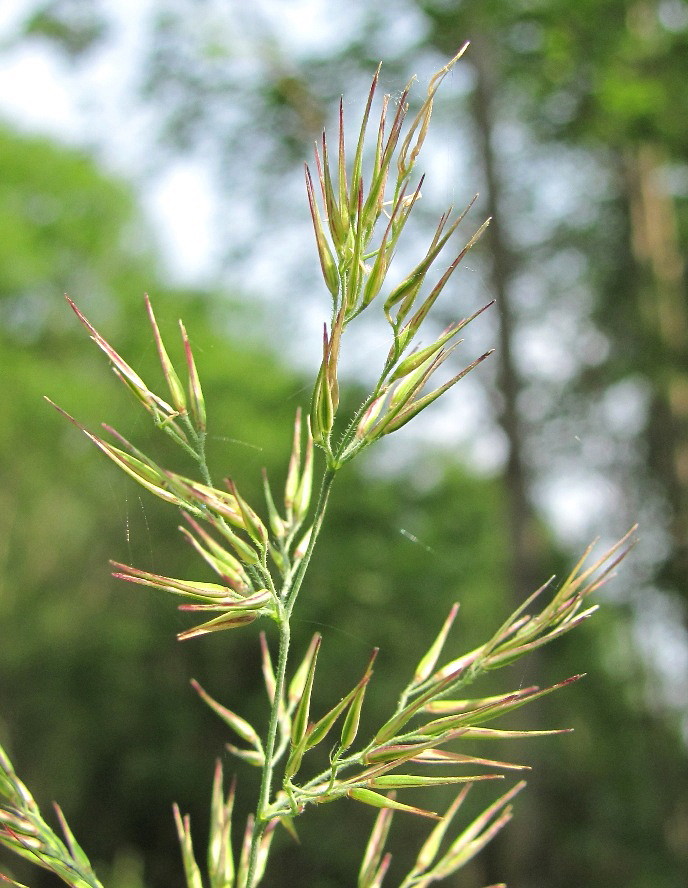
[(622, 90), (557, 72)]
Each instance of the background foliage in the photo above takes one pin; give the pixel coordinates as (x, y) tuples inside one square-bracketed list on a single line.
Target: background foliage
[(577, 139)]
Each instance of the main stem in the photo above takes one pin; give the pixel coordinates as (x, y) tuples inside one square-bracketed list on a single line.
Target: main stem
[(285, 608), (261, 821)]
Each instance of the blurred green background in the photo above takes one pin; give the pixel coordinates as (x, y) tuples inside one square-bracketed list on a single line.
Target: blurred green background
[(571, 120)]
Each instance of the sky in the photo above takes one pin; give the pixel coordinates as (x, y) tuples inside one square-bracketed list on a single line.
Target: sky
[(91, 104), (40, 92)]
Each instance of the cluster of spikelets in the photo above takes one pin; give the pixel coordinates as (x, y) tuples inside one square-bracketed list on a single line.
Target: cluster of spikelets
[(24, 831), (355, 272), (261, 563), (426, 720)]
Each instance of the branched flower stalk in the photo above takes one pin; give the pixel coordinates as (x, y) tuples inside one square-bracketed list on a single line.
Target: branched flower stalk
[(359, 212)]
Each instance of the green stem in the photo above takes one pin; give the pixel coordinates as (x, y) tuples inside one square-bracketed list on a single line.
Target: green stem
[(345, 451), (321, 508), (266, 779), (285, 609), (201, 457)]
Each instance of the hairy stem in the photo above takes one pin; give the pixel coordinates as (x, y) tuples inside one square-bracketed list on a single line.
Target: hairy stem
[(285, 608), (321, 508), (266, 779)]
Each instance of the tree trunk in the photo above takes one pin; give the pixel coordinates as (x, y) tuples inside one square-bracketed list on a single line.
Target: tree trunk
[(524, 542), (525, 546), (662, 295)]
